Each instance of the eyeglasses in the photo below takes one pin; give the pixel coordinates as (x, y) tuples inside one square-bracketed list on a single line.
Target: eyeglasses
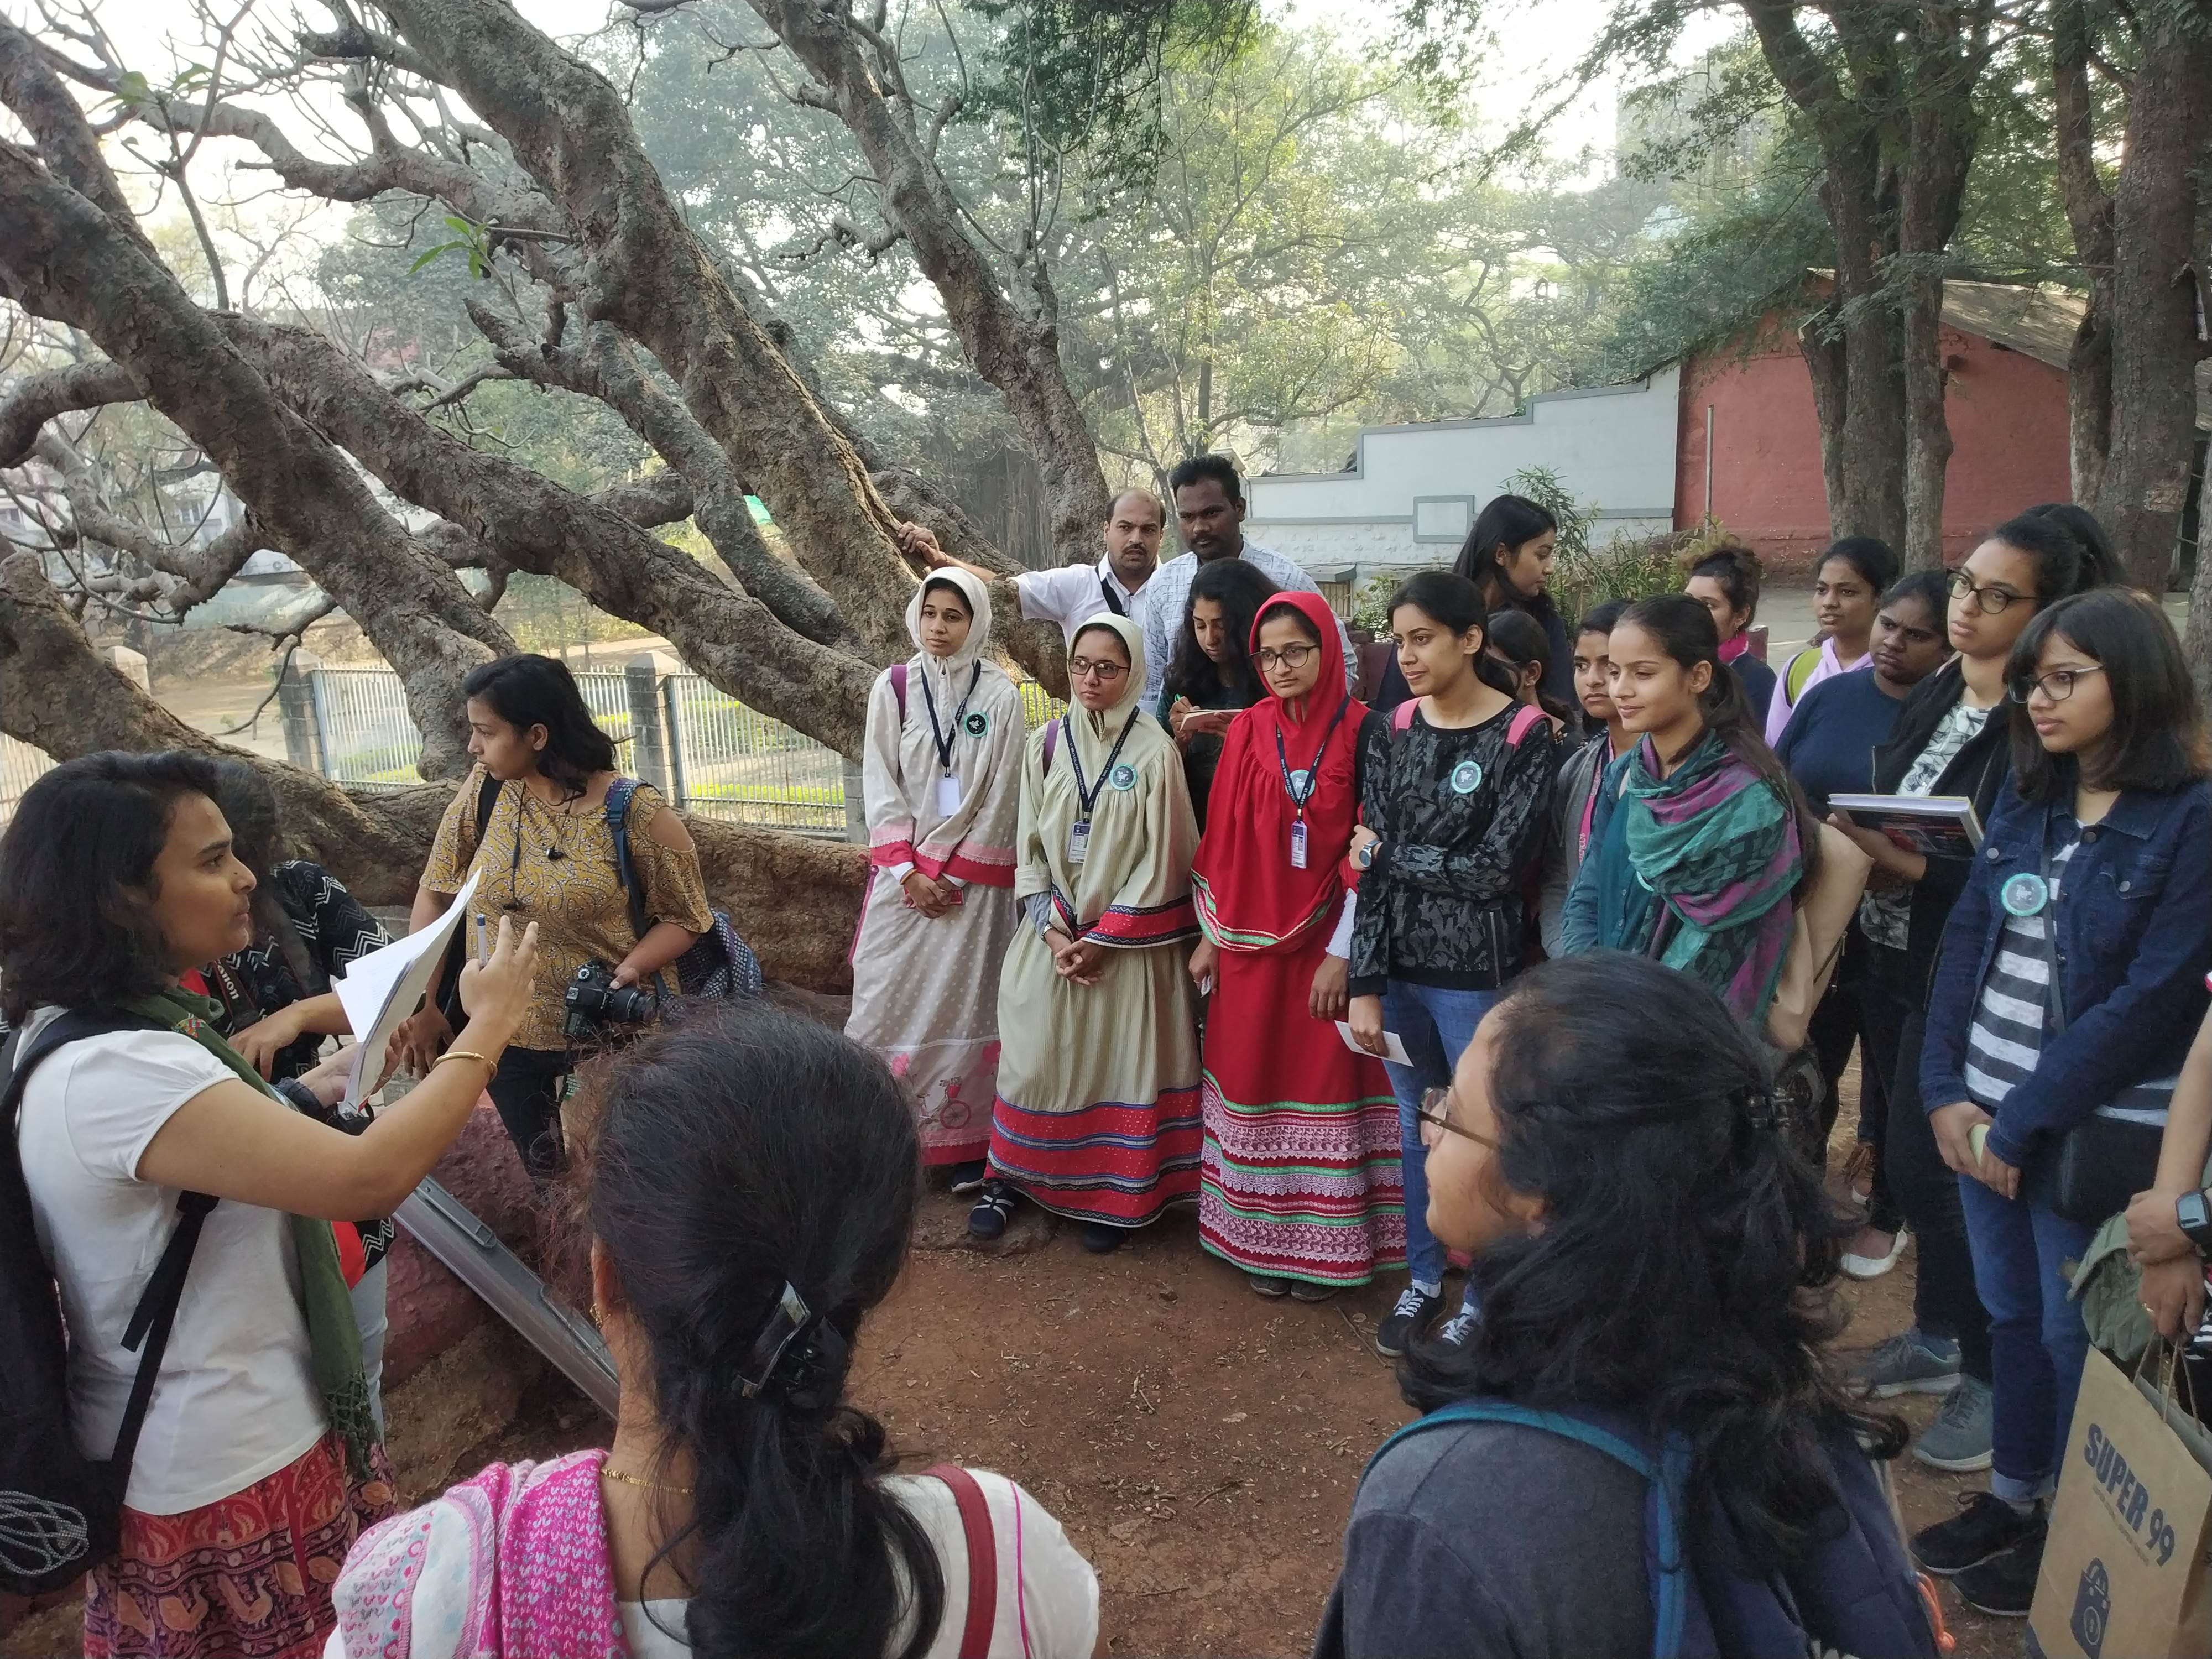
[(1435, 1116), (2057, 686), (1987, 600), (1082, 668), (1291, 656)]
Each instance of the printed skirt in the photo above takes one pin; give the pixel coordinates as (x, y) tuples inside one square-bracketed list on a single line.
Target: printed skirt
[(1300, 1177), (247, 1576)]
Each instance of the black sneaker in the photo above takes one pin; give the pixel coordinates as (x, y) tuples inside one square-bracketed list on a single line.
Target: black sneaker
[(968, 1177), (1984, 1527), (2005, 1583), (1413, 1312), (988, 1218), (1100, 1238)]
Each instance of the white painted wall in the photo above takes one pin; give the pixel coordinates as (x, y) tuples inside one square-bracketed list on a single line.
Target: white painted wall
[(1414, 490)]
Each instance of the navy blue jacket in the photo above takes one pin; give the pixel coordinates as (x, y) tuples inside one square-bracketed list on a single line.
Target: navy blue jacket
[(2134, 940)]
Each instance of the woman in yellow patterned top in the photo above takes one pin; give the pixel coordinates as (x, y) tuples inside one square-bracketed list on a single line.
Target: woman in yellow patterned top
[(547, 855)]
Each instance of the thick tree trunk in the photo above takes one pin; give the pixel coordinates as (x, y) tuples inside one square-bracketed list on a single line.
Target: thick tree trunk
[(2156, 294), (1012, 338), (65, 260), (795, 899), (649, 274), (1869, 441), (2089, 213)]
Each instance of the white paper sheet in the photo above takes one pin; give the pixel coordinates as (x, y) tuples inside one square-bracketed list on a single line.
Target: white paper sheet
[(1392, 1047), (381, 989)]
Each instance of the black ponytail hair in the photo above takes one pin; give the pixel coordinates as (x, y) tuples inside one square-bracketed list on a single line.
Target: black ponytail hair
[(1737, 569), (2065, 562), (1520, 639), (527, 690), (722, 1160), (2101, 558), (1630, 1101), (1449, 597), (1685, 631)]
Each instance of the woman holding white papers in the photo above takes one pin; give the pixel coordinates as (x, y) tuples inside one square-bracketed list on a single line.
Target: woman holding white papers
[(1456, 794), (255, 1458)]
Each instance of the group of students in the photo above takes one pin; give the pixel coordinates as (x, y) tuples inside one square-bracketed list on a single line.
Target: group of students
[(1326, 1018)]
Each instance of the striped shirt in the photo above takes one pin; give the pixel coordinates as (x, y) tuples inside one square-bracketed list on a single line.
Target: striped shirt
[(2015, 1010)]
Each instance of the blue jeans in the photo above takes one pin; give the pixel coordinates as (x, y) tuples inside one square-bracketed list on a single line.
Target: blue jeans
[(2038, 1342), (1435, 1025)]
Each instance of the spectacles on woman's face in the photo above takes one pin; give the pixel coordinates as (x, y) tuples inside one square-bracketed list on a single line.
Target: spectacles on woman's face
[(1987, 600), (1435, 1115), (2057, 686), (1105, 669), (1292, 657)]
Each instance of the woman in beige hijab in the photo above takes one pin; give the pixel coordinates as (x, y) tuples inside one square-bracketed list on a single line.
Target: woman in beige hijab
[(1097, 1116)]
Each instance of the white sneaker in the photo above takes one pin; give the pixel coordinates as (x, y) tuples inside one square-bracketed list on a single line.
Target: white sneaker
[(1873, 1267), (1459, 1326)]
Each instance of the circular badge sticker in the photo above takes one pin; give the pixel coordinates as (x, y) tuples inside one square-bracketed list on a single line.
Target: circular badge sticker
[(1301, 782), (977, 725), (1123, 776), (2025, 894), (1465, 777)]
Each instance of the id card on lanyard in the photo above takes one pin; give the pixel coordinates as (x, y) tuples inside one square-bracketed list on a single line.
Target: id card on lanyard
[(948, 785), (1300, 786), (1086, 795)]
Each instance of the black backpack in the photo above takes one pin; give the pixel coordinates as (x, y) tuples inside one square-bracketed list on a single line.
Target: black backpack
[(63, 1509)]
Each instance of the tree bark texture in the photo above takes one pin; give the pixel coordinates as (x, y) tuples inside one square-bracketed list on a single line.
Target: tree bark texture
[(1011, 333), (2156, 294), (796, 900), (2089, 214)]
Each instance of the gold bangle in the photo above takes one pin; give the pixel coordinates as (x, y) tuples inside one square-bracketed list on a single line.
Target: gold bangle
[(467, 1053)]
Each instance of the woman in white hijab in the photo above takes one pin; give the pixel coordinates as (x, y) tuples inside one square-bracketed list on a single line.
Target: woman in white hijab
[(1097, 1116), (943, 744)]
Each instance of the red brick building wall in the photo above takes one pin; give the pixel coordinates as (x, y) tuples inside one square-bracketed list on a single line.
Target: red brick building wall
[(2007, 413)]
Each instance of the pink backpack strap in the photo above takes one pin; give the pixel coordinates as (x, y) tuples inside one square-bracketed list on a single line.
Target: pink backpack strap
[(1051, 745), (1524, 722), (982, 1558), (898, 688), (1401, 717)]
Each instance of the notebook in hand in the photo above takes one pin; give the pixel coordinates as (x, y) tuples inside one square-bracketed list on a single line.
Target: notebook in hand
[(1934, 826)]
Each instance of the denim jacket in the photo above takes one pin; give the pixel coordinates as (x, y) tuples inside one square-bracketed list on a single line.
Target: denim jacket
[(2134, 940)]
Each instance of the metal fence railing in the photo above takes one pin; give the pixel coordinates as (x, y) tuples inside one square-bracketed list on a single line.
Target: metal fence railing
[(21, 766)]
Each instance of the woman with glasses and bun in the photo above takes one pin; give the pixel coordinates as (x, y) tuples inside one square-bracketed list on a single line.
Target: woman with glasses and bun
[(1097, 1117), (740, 1201), (1657, 1264), (1953, 737), (2069, 985)]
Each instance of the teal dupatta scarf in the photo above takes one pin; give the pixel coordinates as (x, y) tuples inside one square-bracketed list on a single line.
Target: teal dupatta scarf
[(1697, 869), (333, 1336)]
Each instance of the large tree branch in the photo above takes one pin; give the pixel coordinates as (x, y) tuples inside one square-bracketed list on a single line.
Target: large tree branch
[(27, 404), (794, 898), (650, 275), (533, 524), (66, 260)]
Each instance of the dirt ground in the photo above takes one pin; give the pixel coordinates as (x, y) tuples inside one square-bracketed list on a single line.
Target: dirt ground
[(1200, 1444)]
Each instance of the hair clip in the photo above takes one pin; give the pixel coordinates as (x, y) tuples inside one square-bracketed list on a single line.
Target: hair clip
[(1764, 1110), (795, 1354)]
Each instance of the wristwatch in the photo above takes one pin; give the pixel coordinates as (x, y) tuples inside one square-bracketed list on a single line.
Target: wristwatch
[(2194, 1215), (1367, 855)]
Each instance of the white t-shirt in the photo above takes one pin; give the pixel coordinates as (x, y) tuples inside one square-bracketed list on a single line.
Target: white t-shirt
[(1070, 595), (235, 1400), (1050, 1611)]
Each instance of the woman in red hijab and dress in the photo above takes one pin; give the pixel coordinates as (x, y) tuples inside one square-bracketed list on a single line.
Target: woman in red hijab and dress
[(1299, 1184)]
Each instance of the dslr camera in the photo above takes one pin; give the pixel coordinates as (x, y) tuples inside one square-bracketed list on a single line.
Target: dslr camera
[(593, 1001)]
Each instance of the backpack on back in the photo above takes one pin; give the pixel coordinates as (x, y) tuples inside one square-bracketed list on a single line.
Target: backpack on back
[(61, 1511), (1857, 1593)]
